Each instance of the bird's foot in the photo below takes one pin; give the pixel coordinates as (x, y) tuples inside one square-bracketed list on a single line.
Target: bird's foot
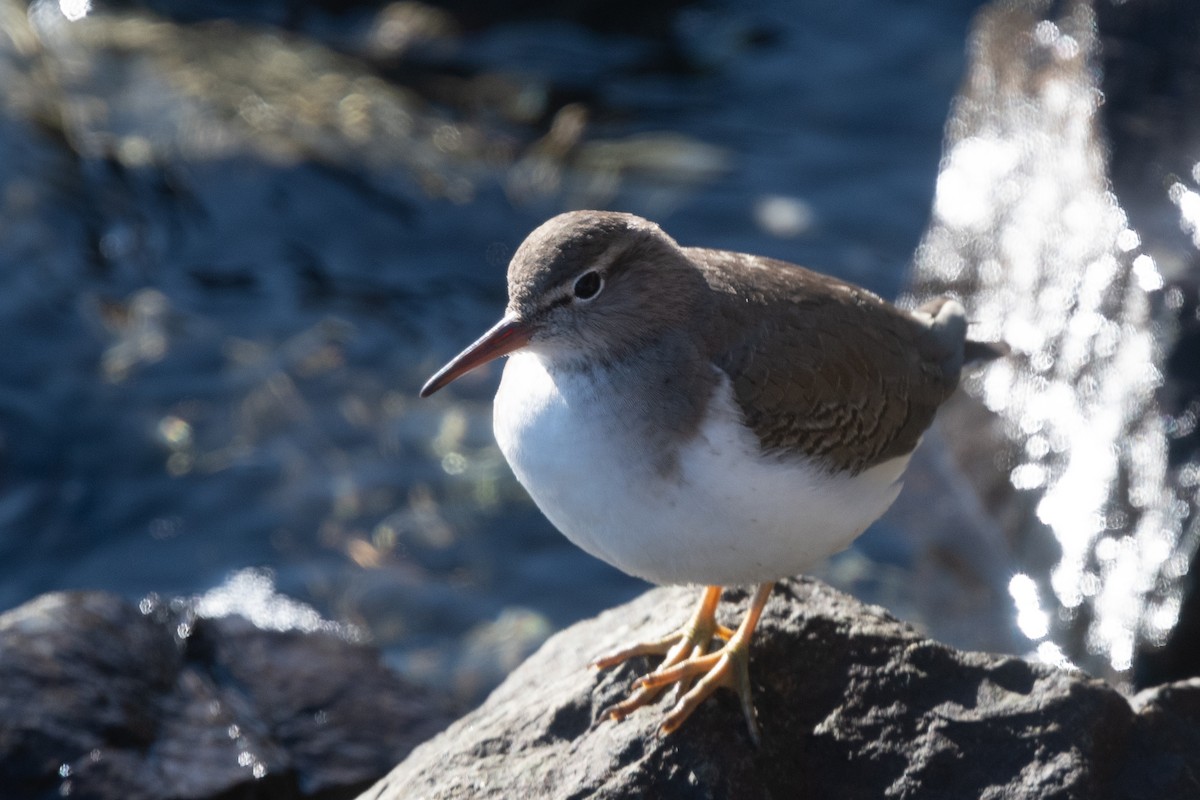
[(688, 664), (690, 641), (728, 666)]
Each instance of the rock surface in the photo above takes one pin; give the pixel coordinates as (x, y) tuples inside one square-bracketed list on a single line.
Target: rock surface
[(852, 704), (98, 700)]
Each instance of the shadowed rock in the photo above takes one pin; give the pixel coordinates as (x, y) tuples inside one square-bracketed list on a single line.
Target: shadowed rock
[(98, 700), (852, 703)]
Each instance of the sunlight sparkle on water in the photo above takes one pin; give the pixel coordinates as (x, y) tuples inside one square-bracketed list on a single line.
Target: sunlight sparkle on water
[(1147, 273), (1128, 239), (1031, 619), (75, 10), (1189, 209), (1054, 268), (251, 594), (1050, 653), (974, 163), (784, 217)]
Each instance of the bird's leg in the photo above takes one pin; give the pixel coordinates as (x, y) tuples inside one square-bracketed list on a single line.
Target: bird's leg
[(727, 666), (688, 642)]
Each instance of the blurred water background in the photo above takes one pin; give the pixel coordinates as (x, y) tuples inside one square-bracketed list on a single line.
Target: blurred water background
[(236, 237)]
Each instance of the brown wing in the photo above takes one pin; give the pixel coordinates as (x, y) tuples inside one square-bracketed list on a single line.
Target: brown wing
[(821, 367)]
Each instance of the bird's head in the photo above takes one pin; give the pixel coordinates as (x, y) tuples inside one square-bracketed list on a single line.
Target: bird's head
[(586, 286)]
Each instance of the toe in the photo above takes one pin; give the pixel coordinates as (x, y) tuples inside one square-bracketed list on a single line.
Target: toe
[(658, 647)]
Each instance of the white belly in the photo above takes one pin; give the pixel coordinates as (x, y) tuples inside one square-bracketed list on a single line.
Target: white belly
[(725, 516)]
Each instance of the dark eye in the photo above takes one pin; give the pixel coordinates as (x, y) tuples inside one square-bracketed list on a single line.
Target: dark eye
[(588, 285)]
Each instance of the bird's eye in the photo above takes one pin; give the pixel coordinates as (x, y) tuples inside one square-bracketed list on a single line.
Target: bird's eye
[(588, 285)]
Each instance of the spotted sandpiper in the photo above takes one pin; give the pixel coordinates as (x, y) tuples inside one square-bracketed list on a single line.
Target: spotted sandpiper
[(704, 417)]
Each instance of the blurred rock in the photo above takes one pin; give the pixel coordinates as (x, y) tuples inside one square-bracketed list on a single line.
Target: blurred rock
[(852, 703), (98, 700)]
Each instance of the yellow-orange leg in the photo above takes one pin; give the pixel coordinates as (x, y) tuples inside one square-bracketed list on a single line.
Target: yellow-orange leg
[(688, 660), (689, 641)]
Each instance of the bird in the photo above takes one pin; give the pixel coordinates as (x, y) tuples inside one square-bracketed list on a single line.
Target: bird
[(707, 418)]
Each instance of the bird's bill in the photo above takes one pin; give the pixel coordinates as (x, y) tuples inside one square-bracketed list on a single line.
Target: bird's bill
[(507, 335)]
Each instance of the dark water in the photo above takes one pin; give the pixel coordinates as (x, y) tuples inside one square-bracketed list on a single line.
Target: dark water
[(231, 250)]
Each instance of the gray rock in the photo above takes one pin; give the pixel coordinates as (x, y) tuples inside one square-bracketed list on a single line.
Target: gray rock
[(852, 703), (98, 700)]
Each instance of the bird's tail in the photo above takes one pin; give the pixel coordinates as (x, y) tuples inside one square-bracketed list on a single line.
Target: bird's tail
[(947, 322), (977, 352)]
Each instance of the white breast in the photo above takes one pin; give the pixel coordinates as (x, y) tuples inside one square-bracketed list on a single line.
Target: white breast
[(726, 516)]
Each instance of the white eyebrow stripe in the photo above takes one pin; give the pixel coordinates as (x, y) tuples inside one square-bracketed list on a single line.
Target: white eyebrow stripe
[(601, 264), (605, 260)]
